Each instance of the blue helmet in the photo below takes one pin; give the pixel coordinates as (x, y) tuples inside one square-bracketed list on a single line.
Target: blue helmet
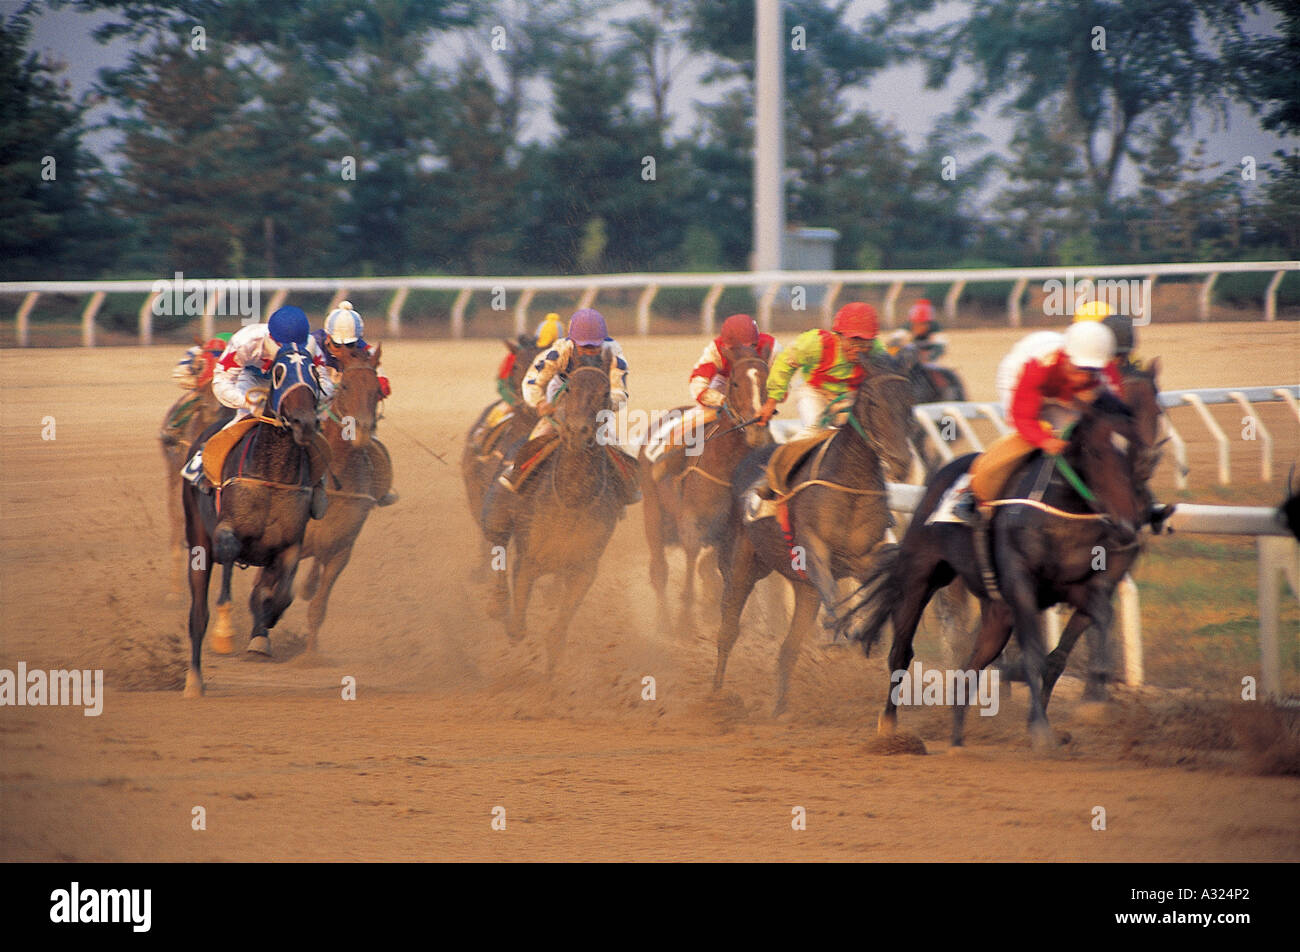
[(289, 325)]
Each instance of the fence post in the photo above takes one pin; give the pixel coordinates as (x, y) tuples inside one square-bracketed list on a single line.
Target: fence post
[(643, 309), (828, 302), (588, 298), (146, 318), (521, 311), (277, 301), (24, 310), (1203, 302), (709, 309), (1014, 298), (88, 318), (1266, 438), (1215, 431), (1270, 296), (891, 302), (1130, 626), (950, 300), (458, 313), (765, 308), (395, 310)]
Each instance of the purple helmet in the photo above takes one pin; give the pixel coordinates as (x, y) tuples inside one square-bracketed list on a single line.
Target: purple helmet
[(587, 327)]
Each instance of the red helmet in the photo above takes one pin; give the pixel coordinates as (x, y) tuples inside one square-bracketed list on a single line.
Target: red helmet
[(922, 312), (739, 329), (856, 320)]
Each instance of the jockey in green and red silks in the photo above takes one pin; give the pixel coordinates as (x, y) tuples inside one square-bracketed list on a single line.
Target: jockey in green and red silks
[(830, 362)]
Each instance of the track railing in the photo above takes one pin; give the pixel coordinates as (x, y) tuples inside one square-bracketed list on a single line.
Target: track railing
[(1112, 280)]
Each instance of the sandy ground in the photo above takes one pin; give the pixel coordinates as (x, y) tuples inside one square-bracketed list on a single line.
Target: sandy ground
[(451, 722)]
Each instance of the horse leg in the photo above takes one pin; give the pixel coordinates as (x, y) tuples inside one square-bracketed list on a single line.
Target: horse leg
[(312, 582), (689, 532), (1102, 614), (176, 523), (223, 633), (497, 522), (653, 514), (320, 601), (916, 579), (1054, 665), (272, 594), (200, 573), (743, 572), (806, 602), (576, 586), (525, 575), (995, 631), (1021, 598)]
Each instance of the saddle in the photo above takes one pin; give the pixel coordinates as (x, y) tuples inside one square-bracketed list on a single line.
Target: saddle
[(489, 435), (788, 456), (531, 455)]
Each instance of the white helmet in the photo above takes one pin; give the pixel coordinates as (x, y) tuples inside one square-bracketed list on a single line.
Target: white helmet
[(344, 325), (1089, 344)]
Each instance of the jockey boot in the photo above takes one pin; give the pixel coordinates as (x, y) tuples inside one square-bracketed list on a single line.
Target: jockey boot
[(193, 471), (319, 500), (968, 510), (387, 499), (509, 478)]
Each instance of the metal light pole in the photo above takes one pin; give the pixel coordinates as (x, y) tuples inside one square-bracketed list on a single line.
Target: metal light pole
[(769, 151)]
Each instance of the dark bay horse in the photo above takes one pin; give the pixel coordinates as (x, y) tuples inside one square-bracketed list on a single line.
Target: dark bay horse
[(480, 465), (835, 522), (1059, 548), (265, 503), (690, 503), (564, 514), (360, 474)]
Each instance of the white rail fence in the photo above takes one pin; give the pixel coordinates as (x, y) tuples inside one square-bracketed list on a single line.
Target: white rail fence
[(765, 284)]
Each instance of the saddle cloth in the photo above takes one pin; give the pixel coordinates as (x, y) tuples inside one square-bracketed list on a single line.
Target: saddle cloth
[(943, 512), (220, 444)]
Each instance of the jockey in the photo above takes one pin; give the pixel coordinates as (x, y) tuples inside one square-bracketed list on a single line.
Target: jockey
[(829, 362), (587, 336), (1099, 311), (344, 326), (709, 379), (1121, 326), (1059, 368), (549, 330), (242, 377), (205, 354), (925, 332)]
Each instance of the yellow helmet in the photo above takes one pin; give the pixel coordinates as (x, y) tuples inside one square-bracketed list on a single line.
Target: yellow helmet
[(1091, 311), (548, 330)]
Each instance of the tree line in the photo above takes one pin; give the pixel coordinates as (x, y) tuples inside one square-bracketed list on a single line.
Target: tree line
[(319, 137)]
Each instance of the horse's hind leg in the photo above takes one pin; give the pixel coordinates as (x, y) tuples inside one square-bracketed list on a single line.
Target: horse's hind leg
[(328, 576), (995, 631), (223, 632), (654, 515), (1021, 598), (517, 609), (806, 602)]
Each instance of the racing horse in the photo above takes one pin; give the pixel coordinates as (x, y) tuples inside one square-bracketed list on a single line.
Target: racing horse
[(836, 513), (360, 475), (1062, 534), (564, 513), (689, 503), (258, 512), (499, 431)]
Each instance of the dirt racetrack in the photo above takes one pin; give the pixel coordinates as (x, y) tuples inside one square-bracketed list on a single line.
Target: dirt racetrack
[(450, 721)]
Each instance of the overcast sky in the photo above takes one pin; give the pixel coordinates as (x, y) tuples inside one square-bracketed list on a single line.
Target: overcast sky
[(896, 95)]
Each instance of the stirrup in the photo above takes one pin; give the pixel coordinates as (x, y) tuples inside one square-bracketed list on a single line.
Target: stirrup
[(504, 480), (387, 499)]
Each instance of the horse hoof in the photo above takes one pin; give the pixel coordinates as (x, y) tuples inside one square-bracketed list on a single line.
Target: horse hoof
[(193, 685), (260, 645), (885, 725), (388, 499), (223, 635), (957, 750), (1043, 739)]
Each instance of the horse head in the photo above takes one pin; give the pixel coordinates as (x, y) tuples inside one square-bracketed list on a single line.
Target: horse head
[(356, 389), (294, 392), (1105, 446), (522, 352), (747, 389), (1142, 394), (883, 412), (580, 408)]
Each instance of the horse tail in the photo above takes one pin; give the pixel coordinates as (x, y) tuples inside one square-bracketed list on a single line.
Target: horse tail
[(872, 602)]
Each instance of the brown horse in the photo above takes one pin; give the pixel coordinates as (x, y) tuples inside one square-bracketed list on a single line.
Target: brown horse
[(689, 503), (360, 475), (264, 499), (565, 512), (836, 520), (189, 416), (480, 465)]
